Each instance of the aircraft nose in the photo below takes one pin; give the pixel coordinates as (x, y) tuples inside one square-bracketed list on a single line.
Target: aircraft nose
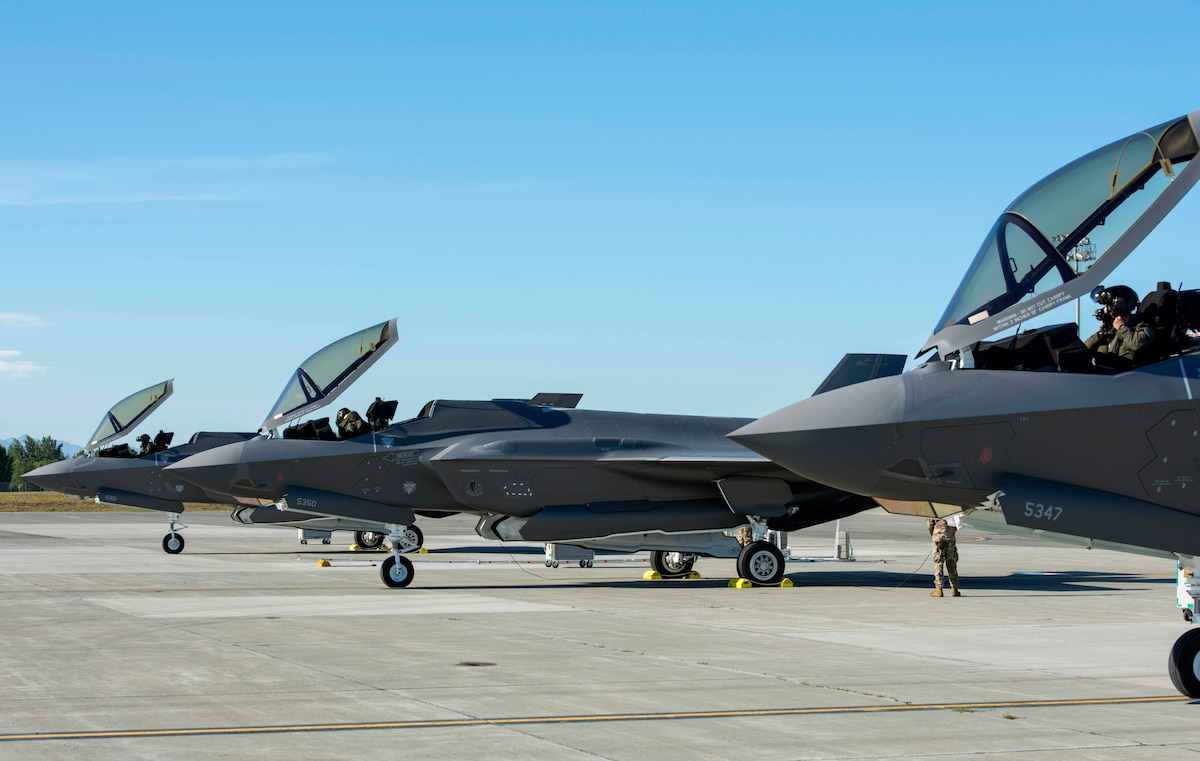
[(841, 438), (57, 476), (217, 470)]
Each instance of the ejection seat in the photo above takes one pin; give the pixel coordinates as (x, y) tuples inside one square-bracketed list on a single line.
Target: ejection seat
[(1160, 310)]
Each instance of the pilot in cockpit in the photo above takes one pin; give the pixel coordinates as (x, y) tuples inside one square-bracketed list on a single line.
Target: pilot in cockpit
[(350, 423), (146, 446), (1124, 337)]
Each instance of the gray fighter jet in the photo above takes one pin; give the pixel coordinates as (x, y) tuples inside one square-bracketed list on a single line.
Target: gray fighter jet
[(541, 470), (1033, 432), (120, 475)]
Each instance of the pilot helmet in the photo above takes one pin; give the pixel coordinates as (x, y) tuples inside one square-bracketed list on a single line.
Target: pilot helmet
[(342, 413), (145, 437), (1120, 298)]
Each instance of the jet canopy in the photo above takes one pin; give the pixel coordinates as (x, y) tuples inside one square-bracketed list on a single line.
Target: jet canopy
[(1060, 238), (325, 375), (128, 413)]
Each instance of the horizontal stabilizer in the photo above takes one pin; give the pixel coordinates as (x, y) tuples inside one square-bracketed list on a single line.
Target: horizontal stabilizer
[(1051, 506), (856, 368)]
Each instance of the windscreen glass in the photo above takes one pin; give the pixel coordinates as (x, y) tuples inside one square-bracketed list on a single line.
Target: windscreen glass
[(128, 412), (324, 372), (1064, 224)]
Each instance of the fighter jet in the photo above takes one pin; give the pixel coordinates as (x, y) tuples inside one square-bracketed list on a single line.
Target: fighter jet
[(542, 470), (1034, 432), (120, 475)]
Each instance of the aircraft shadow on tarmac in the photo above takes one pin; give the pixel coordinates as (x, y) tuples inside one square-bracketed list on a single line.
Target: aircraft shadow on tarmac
[(1070, 582), (1064, 582)]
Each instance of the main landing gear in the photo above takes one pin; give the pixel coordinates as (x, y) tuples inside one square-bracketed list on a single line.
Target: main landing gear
[(1184, 662), (373, 540), (672, 565), (173, 543), (762, 563)]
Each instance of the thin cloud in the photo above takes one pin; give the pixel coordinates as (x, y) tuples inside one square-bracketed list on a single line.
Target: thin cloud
[(18, 320), (200, 179), (20, 368), (62, 200)]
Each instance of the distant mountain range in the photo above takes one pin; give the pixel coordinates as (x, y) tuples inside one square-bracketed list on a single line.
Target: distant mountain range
[(69, 450)]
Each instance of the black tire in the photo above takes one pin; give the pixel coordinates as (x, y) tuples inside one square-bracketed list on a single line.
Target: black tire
[(1184, 663), (173, 543), (761, 563), (397, 574), (369, 540), (672, 565), (413, 539)]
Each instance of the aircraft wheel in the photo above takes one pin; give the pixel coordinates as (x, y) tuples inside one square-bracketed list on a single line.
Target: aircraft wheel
[(396, 573), (761, 563), (369, 540), (413, 539), (672, 565), (173, 544), (1185, 663)]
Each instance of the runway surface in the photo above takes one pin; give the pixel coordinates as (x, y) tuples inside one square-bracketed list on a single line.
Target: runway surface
[(245, 646)]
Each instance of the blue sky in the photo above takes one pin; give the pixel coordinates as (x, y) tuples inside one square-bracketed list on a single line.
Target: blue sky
[(689, 207)]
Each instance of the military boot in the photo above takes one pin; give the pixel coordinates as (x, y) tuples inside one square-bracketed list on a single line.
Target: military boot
[(936, 593), (954, 592)]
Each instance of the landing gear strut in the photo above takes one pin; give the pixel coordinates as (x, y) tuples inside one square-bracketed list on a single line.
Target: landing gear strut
[(397, 570), (173, 543)]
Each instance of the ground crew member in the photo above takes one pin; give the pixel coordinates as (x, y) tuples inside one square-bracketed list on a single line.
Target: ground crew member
[(745, 535), (945, 555)]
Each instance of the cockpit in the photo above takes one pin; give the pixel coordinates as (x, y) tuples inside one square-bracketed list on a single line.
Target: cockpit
[(322, 378), (1058, 240)]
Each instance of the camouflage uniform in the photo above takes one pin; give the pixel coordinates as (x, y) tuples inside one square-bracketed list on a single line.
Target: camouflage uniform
[(1132, 341), (745, 535), (945, 555), (350, 424)]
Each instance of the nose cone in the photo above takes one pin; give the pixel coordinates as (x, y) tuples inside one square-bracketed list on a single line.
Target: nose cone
[(257, 468), (57, 476), (841, 438), (216, 470)]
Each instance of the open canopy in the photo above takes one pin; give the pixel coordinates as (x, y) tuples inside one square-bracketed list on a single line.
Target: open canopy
[(1060, 238), (325, 375), (128, 413)]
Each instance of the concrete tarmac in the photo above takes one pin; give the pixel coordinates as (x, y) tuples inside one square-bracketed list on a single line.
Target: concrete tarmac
[(244, 647)]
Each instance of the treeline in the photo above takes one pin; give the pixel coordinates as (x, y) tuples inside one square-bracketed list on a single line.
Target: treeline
[(23, 455)]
